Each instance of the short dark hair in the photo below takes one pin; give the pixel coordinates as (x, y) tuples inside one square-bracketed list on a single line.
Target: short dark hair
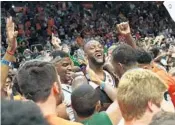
[(79, 80), (124, 54), (35, 79), (154, 51), (143, 57), (59, 53), (163, 118), (21, 113), (16, 89), (84, 99)]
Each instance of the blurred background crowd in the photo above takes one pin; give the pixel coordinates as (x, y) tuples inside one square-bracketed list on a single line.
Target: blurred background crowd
[(77, 22)]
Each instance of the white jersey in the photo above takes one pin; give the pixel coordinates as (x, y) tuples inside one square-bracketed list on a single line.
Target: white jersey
[(67, 91), (108, 80)]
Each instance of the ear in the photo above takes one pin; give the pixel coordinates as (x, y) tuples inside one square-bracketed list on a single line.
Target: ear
[(145, 67), (150, 106), (55, 89), (86, 56), (121, 66), (98, 106)]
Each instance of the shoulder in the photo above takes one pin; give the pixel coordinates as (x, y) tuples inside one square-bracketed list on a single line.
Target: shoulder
[(66, 88), (109, 78), (54, 120), (103, 117)]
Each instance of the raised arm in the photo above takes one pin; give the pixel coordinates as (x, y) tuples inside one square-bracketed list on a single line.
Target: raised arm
[(9, 55), (124, 29), (56, 42)]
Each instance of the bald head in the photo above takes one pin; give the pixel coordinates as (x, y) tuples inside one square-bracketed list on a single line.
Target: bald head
[(94, 52), (89, 44)]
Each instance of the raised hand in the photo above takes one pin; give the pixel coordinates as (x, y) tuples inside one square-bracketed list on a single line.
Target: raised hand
[(11, 35), (56, 42), (124, 28)]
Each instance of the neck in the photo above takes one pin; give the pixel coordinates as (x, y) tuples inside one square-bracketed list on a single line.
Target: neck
[(80, 119), (97, 69), (145, 120), (131, 67), (48, 107), (63, 81)]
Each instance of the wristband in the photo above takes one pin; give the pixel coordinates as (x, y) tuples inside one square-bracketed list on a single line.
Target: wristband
[(10, 53), (5, 62), (102, 86)]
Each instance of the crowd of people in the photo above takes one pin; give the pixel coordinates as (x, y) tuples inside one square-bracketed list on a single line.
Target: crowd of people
[(74, 63)]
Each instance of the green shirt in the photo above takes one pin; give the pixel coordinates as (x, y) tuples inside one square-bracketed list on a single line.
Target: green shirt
[(75, 61), (98, 119)]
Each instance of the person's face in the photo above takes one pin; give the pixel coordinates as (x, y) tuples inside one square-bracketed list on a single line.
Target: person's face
[(95, 53), (165, 105), (64, 69), (8, 85), (118, 68)]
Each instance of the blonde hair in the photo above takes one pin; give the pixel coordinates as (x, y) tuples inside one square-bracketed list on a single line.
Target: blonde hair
[(136, 88)]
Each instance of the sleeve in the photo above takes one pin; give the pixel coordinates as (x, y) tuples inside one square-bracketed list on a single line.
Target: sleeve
[(105, 118)]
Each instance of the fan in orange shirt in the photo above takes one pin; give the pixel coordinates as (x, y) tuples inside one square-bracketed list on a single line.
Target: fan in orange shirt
[(144, 60)]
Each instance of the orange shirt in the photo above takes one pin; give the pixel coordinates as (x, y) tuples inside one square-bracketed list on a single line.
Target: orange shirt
[(54, 120), (163, 74), (169, 81)]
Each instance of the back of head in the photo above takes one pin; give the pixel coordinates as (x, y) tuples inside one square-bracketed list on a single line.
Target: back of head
[(35, 79), (79, 80), (16, 89), (143, 57), (21, 113), (84, 100), (124, 54), (163, 118), (155, 51), (59, 53), (136, 88)]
